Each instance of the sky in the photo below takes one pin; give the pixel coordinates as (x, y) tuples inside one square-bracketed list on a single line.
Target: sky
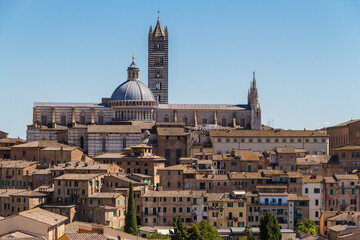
[(306, 55)]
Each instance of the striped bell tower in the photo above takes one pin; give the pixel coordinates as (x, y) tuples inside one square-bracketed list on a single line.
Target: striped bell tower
[(158, 62)]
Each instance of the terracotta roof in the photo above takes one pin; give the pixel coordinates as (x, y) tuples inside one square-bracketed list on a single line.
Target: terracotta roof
[(20, 192), (175, 167), (222, 197), (285, 150), (16, 164), (313, 160), (123, 156), (77, 176), (344, 123), (125, 178), (329, 180), (312, 178), (245, 175), (42, 144), (346, 176), (85, 236), (114, 129), (268, 133), (12, 140), (105, 195), (295, 197), (348, 147), (182, 193), (246, 155), (171, 131), (215, 177), (43, 216)]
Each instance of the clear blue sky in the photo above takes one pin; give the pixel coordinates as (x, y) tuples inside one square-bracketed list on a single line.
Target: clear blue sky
[(306, 55)]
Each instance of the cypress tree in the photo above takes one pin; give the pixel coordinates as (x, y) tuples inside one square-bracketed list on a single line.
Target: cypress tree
[(269, 227), (130, 218)]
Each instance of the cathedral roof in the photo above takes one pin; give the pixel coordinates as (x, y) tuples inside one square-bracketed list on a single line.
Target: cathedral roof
[(132, 90)]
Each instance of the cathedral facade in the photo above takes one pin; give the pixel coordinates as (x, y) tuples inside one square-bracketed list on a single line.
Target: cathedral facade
[(123, 120)]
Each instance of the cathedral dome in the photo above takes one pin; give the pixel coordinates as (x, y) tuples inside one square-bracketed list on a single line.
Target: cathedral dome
[(133, 89)]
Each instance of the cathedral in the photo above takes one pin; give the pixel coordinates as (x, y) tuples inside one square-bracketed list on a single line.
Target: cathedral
[(123, 120)]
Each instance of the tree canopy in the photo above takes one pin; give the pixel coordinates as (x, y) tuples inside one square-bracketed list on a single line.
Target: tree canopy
[(269, 227), (130, 218), (307, 226), (197, 231)]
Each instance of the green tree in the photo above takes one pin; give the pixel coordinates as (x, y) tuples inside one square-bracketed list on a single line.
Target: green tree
[(130, 218), (180, 231), (307, 226), (202, 231), (197, 231), (157, 235), (269, 227), (248, 232)]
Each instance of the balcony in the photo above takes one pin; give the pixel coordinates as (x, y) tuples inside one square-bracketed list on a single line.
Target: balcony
[(274, 204), (230, 218)]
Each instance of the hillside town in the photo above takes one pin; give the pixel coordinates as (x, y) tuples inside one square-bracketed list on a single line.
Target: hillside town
[(82, 165)]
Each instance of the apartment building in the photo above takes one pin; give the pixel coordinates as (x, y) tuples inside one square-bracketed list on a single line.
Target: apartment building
[(107, 208), (137, 159), (161, 208), (6, 144), (36, 223), (312, 187), (76, 188), (349, 157), (13, 201), (314, 141), (227, 210), (341, 192), (47, 153), (236, 161), (15, 174)]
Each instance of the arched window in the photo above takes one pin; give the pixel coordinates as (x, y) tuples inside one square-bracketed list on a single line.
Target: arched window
[(223, 122), (43, 118), (158, 86), (124, 143), (158, 98), (101, 118), (103, 143), (82, 142), (82, 118), (63, 119)]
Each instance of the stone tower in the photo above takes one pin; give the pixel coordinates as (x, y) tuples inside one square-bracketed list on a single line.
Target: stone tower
[(158, 62), (253, 102)]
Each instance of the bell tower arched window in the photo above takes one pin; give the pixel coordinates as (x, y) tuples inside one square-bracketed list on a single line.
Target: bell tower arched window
[(158, 98), (158, 86)]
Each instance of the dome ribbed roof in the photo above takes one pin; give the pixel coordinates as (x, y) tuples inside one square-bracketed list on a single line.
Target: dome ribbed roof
[(132, 90)]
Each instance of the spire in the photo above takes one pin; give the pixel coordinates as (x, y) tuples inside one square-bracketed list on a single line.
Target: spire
[(150, 30), (158, 31), (254, 81)]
